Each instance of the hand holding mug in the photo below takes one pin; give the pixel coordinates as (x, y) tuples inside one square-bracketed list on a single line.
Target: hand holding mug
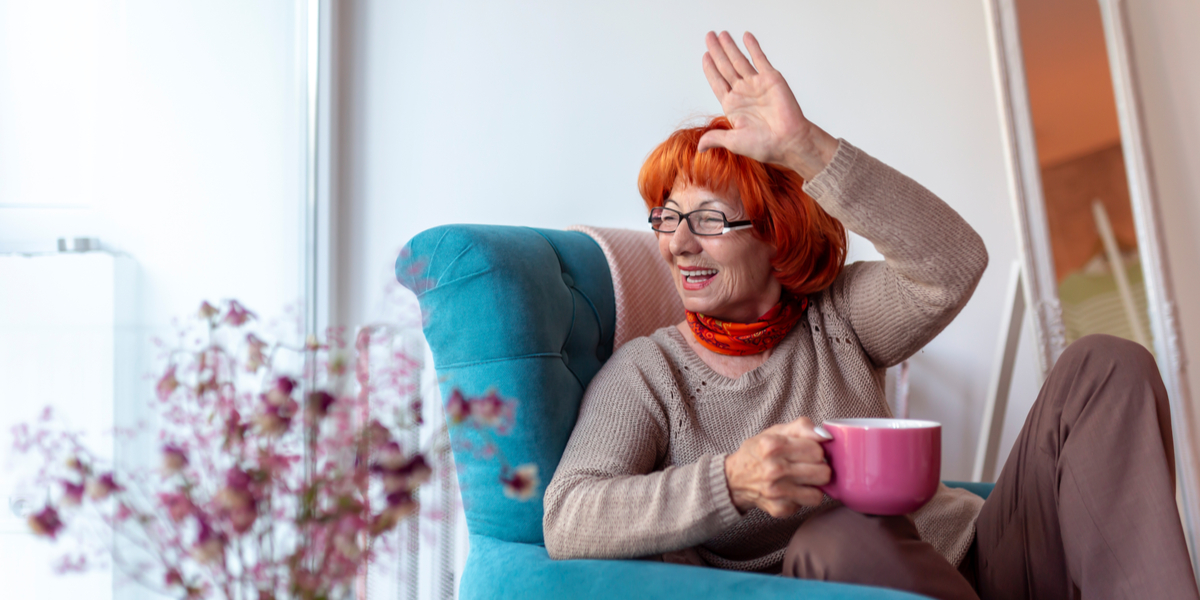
[(779, 469)]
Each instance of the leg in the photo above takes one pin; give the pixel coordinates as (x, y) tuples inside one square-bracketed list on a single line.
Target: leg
[(1086, 501), (842, 545)]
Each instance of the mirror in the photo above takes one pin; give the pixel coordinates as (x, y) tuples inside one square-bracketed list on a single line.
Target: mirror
[(1091, 252)]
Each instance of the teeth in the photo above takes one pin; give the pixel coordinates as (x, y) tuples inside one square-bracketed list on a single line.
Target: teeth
[(698, 275)]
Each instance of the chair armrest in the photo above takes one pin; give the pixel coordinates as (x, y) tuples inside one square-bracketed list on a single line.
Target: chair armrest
[(983, 490), (499, 569)]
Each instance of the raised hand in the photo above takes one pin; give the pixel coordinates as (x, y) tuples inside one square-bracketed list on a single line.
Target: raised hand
[(768, 124)]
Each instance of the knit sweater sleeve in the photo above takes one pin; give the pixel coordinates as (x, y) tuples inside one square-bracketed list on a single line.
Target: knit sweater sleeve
[(932, 258), (606, 499)]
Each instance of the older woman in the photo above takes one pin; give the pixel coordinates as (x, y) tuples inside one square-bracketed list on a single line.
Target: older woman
[(696, 444)]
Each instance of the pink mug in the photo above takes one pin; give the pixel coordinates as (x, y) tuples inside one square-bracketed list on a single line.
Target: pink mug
[(882, 466)]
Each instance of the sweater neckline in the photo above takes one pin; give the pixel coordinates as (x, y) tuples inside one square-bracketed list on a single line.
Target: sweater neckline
[(690, 359)]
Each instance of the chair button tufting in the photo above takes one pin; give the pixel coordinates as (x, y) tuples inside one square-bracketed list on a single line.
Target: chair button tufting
[(566, 359), (567, 279)]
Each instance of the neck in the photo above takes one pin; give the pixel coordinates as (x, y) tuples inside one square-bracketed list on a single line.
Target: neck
[(725, 365)]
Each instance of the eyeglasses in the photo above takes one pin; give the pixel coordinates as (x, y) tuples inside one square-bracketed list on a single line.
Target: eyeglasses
[(701, 222)]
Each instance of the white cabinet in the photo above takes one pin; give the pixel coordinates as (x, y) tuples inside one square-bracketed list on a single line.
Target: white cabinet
[(65, 333)]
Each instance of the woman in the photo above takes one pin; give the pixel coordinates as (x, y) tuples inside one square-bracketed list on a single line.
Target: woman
[(696, 444)]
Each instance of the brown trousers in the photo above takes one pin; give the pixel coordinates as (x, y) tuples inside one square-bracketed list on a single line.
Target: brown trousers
[(1085, 504)]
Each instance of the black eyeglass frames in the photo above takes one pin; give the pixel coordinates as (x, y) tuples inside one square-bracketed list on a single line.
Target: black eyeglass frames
[(701, 222)]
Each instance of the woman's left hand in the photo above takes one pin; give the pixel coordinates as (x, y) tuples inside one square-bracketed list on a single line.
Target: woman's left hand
[(768, 124)]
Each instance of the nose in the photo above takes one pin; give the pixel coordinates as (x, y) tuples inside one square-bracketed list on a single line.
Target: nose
[(683, 241)]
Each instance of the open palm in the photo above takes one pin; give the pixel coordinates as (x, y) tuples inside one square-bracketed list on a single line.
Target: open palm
[(768, 124)]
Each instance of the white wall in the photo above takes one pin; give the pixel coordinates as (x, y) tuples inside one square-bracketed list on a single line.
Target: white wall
[(540, 113), (172, 132), (1165, 49)]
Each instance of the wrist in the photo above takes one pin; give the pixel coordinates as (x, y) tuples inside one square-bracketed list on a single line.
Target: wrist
[(735, 495), (811, 155)]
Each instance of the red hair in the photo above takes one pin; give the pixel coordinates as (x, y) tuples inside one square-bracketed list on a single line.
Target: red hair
[(810, 245)]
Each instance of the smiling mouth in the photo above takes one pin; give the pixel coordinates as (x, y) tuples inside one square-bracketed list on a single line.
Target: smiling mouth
[(698, 276)]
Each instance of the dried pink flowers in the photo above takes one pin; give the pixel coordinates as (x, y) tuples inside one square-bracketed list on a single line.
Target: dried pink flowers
[(245, 500)]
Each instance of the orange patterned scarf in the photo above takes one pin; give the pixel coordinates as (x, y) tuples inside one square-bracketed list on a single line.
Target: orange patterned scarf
[(743, 339)]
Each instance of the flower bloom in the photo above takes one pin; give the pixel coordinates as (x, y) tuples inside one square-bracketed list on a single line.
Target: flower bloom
[(237, 315), (256, 358), (400, 504), (45, 522), (72, 493), (275, 419), (457, 408), (489, 410), (167, 384), (174, 458), (178, 506), (281, 391), (316, 405), (102, 487), (237, 501), (521, 483), (74, 464), (210, 545), (235, 430), (337, 364), (345, 536), (399, 474), (173, 578), (207, 311)]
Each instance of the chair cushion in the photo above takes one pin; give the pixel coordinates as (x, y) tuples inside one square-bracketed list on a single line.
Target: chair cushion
[(497, 569), (645, 296), (529, 313)]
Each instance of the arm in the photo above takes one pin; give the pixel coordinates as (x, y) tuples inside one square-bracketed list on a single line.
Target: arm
[(933, 259), (605, 499)]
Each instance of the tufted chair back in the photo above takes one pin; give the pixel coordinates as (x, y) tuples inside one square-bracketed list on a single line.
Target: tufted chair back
[(529, 313)]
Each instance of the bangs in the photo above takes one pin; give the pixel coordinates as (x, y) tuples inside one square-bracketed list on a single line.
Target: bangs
[(677, 161)]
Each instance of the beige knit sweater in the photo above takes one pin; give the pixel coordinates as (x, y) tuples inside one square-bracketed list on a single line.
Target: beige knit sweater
[(643, 473)]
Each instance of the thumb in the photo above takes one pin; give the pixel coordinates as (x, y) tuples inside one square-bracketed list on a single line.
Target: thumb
[(715, 138)]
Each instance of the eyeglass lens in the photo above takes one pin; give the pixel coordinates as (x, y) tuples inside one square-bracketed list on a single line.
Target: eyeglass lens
[(701, 221)]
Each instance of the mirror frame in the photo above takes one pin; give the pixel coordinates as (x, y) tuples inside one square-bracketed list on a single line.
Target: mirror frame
[(1033, 238)]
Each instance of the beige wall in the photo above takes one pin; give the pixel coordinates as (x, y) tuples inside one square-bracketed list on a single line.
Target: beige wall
[(1167, 58)]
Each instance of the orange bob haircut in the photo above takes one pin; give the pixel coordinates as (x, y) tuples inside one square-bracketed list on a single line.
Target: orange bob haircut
[(810, 245)]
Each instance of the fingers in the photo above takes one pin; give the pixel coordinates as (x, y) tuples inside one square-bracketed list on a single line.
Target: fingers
[(803, 427), (789, 448), (783, 498), (716, 81), (756, 53), (713, 139), (743, 66), (716, 50)]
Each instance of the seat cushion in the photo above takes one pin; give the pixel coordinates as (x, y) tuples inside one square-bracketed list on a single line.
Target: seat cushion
[(528, 313), (497, 569)]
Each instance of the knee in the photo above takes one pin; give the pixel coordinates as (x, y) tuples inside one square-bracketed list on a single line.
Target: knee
[(1120, 368), (833, 545), (1106, 349)]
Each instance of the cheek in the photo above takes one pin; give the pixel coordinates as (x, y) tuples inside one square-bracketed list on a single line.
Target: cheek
[(754, 265), (664, 248)]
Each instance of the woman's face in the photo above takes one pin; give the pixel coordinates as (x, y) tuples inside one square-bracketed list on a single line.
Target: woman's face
[(728, 276)]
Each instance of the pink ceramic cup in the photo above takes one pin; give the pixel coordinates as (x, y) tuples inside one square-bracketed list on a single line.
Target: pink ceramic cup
[(882, 466)]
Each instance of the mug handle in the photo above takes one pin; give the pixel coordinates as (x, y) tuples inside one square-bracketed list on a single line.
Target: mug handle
[(828, 488)]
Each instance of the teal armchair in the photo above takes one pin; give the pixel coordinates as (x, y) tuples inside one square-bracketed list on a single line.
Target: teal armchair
[(531, 313)]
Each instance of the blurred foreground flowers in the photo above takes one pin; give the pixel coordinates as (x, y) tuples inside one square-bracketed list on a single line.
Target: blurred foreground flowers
[(269, 482)]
